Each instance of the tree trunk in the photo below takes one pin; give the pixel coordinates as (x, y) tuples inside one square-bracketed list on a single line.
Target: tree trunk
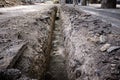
[(108, 3), (83, 2)]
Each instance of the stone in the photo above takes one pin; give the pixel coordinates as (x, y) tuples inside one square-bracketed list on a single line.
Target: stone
[(103, 39), (113, 48), (94, 39), (105, 47), (113, 65)]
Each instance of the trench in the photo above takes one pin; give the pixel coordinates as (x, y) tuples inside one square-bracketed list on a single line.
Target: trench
[(56, 69), (56, 65), (79, 56)]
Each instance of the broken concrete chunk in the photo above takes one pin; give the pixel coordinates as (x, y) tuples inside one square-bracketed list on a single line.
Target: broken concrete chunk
[(113, 48), (105, 47), (11, 55), (103, 39)]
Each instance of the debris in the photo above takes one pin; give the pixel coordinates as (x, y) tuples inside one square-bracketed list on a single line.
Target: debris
[(103, 39), (113, 48), (105, 47)]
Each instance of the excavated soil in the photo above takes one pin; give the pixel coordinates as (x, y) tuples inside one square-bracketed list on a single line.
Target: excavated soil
[(57, 68), (92, 46), (25, 44)]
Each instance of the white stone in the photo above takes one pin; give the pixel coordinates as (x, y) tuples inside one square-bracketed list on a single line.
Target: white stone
[(103, 39), (105, 47)]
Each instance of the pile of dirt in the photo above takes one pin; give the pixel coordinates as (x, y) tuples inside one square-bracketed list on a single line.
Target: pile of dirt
[(92, 46), (4, 3), (25, 44)]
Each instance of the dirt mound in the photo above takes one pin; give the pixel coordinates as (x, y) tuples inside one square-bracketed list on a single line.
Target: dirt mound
[(92, 46), (25, 43)]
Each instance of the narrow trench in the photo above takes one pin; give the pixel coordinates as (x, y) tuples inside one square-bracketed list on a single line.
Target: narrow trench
[(56, 69)]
